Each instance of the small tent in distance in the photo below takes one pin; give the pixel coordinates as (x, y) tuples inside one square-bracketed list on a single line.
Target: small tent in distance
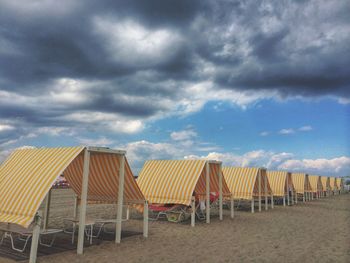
[(302, 186), (325, 185), (340, 184), (178, 181), (248, 184), (282, 186), (316, 186), (333, 185)]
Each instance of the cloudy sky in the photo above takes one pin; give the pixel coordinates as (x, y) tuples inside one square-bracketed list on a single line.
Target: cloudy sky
[(252, 83)]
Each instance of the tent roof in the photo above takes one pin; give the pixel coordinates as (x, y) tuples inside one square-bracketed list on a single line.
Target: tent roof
[(315, 182), (26, 177), (242, 181), (278, 180), (301, 182), (174, 181), (28, 174), (103, 178)]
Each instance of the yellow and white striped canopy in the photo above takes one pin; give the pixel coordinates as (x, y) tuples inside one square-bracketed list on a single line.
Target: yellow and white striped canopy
[(27, 176), (315, 182), (174, 181), (325, 183), (243, 181), (25, 179), (301, 182), (278, 182), (332, 183), (103, 178)]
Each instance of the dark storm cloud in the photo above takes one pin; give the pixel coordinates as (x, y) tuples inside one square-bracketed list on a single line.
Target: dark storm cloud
[(294, 48)]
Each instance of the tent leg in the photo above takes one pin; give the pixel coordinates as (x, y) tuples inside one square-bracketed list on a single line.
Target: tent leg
[(220, 195), (291, 197), (296, 197), (83, 202), (207, 181), (252, 205), (232, 207), (193, 212), (127, 212), (266, 199), (47, 210), (75, 215), (145, 219), (284, 200), (304, 197), (272, 203), (35, 238), (259, 181), (287, 182), (118, 225)]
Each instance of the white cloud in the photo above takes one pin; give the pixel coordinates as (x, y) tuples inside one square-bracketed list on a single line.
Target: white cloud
[(305, 128), (183, 135), (344, 101), (6, 127), (286, 131), (132, 44), (264, 133), (110, 121), (101, 141), (335, 166)]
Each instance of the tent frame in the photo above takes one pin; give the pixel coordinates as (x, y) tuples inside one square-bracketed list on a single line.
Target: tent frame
[(207, 195)]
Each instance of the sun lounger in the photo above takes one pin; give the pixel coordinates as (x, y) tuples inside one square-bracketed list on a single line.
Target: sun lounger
[(171, 212), (16, 232), (93, 227)]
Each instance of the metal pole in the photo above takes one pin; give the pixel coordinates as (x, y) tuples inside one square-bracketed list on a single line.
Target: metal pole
[(35, 237), (83, 202), (259, 181), (118, 226), (207, 181), (232, 206), (288, 201), (220, 194), (145, 219), (47, 210), (265, 184), (193, 212)]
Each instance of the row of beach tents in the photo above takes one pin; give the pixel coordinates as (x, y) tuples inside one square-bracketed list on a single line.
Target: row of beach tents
[(103, 175)]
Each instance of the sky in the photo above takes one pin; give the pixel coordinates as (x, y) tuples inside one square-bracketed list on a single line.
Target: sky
[(250, 83)]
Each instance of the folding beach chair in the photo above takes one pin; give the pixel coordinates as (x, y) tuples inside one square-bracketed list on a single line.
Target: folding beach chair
[(171, 212), (16, 232)]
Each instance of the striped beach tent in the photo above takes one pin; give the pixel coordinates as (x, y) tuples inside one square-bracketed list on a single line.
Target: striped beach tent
[(316, 185), (98, 174), (325, 185), (302, 185), (243, 183), (282, 186), (340, 184), (176, 181), (332, 184)]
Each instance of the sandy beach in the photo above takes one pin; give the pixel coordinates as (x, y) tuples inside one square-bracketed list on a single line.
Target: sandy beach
[(316, 231)]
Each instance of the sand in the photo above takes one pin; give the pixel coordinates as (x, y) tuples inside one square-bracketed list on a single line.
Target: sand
[(317, 231)]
